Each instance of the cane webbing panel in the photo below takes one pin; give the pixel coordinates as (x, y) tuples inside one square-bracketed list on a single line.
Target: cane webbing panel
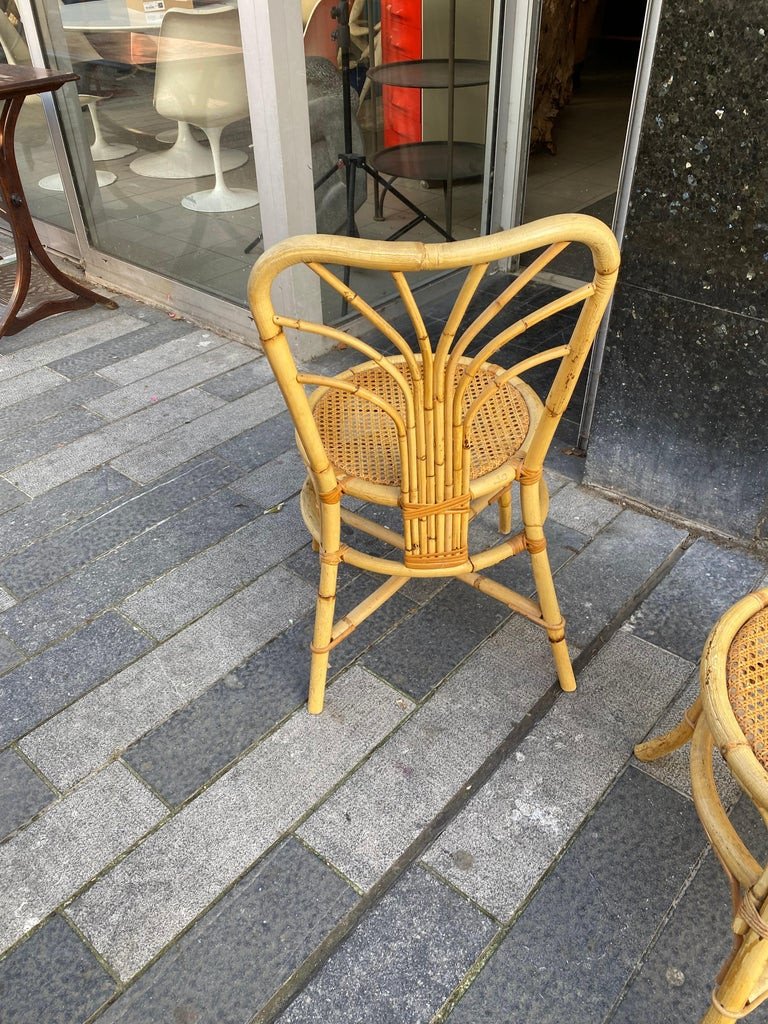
[(747, 674), (361, 439)]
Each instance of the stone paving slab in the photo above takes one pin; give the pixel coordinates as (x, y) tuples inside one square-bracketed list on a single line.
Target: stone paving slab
[(171, 381), (429, 644), (28, 385), (260, 444), (401, 963), (608, 572), (677, 974), (563, 544), (146, 462), (115, 350), (105, 722), (581, 510), (52, 977), (68, 844), (41, 441), (10, 654), (235, 957), (370, 820), (160, 357), (200, 739), (190, 590), (25, 415), (22, 793), (76, 320), (70, 548), (103, 443), (501, 843), (10, 497), (277, 480), (68, 603), (55, 509), (39, 688), (568, 957), (706, 581), (242, 380), (212, 719), (43, 352), (141, 904)]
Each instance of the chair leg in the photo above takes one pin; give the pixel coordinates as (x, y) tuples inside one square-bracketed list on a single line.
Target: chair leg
[(330, 525), (187, 158), (221, 198), (505, 511), (532, 512), (677, 737), (735, 996), (101, 149)]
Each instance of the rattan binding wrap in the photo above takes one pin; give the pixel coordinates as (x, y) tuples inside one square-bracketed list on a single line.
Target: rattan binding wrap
[(747, 675), (361, 440)]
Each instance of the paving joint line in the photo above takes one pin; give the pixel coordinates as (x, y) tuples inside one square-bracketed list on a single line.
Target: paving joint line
[(291, 989), (665, 919)]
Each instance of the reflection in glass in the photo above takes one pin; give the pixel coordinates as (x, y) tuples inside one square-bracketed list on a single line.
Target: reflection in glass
[(418, 88), (169, 93)]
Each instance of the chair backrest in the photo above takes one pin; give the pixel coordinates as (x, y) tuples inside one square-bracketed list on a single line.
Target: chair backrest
[(200, 75), (439, 391)]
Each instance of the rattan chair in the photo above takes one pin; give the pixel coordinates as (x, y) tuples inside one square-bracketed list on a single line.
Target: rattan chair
[(732, 712), (436, 431)]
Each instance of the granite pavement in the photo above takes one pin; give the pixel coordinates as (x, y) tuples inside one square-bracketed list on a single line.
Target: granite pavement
[(452, 840)]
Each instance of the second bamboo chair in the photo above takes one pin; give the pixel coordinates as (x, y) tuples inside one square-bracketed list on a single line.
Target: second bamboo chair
[(732, 712), (437, 431)]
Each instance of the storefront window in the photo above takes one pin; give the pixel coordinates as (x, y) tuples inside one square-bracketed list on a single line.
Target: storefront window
[(159, 137)]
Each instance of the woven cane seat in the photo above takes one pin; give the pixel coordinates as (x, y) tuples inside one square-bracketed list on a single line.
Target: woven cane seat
[(361, 440), (747, 680)]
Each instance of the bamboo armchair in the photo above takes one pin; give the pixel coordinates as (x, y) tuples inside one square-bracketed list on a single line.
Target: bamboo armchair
[(732, 712), (438, 432)]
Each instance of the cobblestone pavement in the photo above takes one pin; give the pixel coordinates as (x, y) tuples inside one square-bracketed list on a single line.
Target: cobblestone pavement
[(452, 840)]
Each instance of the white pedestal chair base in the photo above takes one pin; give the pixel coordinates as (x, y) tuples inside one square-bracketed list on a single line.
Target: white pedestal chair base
[(171, 134), (186, 159), (221, 200), (53, 182), (101, 149), (111, 150)]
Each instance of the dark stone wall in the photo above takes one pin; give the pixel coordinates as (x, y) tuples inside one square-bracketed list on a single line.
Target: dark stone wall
[(682, 411)]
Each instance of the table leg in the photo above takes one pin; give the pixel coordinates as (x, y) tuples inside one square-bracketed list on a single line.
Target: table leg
[(27, 243)]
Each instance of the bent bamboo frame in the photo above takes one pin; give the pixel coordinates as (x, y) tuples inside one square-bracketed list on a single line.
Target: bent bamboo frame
[(743, 981), (450, 405)]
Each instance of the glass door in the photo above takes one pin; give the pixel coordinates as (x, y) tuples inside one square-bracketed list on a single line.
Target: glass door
[(158, 136), (586, 71), (194, 139), (417, 84)]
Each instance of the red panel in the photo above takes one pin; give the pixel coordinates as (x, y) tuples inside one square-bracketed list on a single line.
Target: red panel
[(401, 35)]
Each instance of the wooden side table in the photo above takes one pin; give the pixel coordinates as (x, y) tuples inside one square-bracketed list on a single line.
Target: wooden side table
[(16, 83)]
